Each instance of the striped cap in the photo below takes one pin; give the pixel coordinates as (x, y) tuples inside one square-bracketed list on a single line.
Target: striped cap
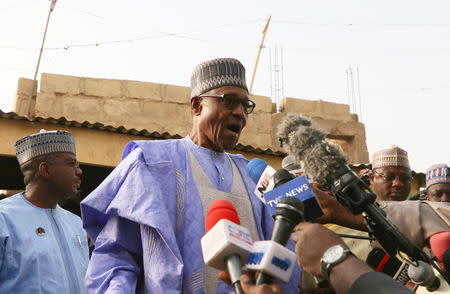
[(437, 173), (391, 157), (44, 143), (217, 73)]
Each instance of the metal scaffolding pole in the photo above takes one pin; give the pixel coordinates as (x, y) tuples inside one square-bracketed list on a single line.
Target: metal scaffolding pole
[(52, 6), (261, 44)]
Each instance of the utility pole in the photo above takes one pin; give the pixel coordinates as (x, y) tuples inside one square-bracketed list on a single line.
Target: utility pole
[(261, 44), (52, 6)]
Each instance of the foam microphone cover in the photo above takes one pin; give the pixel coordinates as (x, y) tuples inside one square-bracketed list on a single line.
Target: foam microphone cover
[(220, 209), (439, 244), (255, 168)]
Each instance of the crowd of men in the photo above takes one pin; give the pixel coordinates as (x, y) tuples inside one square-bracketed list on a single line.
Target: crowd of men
[(147, 217)]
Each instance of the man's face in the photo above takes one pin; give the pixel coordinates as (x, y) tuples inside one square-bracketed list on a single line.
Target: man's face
[(391, 183), (439, 192), (64, 175), (216, 126)]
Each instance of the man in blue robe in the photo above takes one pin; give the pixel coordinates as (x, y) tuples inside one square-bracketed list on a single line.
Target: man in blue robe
[(148, 216), (43, 248)]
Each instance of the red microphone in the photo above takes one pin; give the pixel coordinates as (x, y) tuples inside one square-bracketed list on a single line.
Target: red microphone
[(439, 243), (220, 209), (226, 245)]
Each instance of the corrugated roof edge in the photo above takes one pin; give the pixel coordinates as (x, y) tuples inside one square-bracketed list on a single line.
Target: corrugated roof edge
[(122, 130), (143, 133)]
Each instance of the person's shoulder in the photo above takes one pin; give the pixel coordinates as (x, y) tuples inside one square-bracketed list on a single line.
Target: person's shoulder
[(151, 150), (238, 157), (11, 202)]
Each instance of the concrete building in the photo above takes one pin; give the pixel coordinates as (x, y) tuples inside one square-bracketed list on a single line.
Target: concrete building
[(106, 114)]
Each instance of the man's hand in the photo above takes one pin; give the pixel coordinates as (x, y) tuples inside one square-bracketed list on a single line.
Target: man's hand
[(248, 284), (330, 206), (312, 240), (250, 288)]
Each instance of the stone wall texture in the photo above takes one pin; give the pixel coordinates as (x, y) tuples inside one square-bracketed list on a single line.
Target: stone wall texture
[(165, 108)]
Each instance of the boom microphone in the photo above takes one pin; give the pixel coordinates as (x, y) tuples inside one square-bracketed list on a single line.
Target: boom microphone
[(226, 245), (289, 212), (325, 164)]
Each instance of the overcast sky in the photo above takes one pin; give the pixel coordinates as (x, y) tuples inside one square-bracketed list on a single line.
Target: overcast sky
[(400, 48)]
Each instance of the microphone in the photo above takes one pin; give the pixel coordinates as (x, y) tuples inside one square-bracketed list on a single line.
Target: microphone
[(261, 173), (423, 275), (288, 185), (289, 212), (325, 164), (383, 262), (226, 244), (291, 166), (446, 260), (439, 244)]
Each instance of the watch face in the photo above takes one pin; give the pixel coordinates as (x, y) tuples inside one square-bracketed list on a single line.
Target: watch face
[(333, 254)]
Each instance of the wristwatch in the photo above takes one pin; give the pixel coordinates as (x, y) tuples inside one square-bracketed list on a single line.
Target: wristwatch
[(333, 256)]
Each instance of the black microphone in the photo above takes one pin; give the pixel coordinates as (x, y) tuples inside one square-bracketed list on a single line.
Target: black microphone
[(289, 212), (383, 262), (446, 260)]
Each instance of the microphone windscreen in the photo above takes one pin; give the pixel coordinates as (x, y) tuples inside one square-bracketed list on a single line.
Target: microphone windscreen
[(439, 243), (220, 209), (383, 262), (255, 168)]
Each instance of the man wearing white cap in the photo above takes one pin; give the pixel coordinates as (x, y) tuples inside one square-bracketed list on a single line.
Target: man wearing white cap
[(43, 248), (148, 216), (391, 174), (438, 183)]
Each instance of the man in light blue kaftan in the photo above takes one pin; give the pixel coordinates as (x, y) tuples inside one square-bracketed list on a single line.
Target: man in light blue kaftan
[(43, 248), (148, 216)]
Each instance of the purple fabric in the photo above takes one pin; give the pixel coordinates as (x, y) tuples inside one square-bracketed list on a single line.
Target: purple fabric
[(146, 220)]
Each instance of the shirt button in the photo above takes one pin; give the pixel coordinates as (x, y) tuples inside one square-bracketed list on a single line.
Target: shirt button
[(222, 178)]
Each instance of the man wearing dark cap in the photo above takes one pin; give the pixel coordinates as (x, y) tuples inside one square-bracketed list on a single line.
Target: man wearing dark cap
[(148, 216), (43, 248)]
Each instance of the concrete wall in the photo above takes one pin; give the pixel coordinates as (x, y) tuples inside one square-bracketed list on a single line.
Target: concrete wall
[(165, 108)]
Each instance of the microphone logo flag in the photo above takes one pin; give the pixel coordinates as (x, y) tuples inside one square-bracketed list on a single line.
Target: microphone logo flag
[(273, 259), (223, 239), (299, 188)]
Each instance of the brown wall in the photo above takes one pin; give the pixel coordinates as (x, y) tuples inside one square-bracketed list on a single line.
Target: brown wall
[(165, 108)]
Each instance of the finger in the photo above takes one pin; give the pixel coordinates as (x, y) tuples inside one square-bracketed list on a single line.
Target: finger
[(224, 276), (247, 285)]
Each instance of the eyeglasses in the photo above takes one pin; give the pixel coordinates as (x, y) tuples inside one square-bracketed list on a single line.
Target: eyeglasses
[(390, 177), (72, 163), (232, 101)]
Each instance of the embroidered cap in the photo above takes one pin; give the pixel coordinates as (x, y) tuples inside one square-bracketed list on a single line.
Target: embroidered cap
[(43, 143), (217, 73), (437, 173), (391, 157)]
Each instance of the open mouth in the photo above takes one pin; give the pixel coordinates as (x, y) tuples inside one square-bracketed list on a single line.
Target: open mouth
[(236, 128)]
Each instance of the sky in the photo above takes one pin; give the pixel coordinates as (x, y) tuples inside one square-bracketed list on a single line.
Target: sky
[(401, 50)]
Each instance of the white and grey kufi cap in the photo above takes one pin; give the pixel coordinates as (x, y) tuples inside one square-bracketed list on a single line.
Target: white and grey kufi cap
[(43, 143)]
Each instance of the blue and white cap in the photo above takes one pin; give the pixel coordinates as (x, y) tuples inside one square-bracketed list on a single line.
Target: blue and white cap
[(43, 143)]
